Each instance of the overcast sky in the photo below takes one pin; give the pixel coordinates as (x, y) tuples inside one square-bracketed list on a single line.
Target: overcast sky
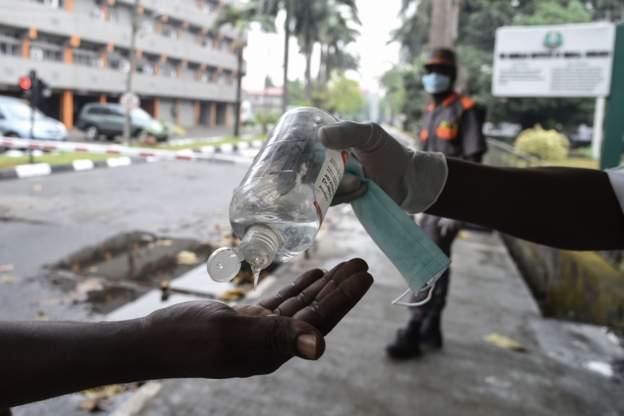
[(265, 51)]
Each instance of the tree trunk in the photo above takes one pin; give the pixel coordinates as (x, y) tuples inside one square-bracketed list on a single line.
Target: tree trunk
[(286, 44), (320, 77), (308, 74), (239, 77)]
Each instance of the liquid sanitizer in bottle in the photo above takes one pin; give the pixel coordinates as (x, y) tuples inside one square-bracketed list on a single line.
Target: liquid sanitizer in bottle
[(279, 206)]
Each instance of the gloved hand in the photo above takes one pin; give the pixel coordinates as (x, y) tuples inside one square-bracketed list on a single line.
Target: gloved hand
[(414, 180), (448, 226)]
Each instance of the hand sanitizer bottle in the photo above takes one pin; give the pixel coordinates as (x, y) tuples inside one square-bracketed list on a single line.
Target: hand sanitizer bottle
[(279, 206)]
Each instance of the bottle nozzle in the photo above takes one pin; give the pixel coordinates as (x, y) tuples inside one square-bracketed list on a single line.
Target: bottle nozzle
[(259, 247)]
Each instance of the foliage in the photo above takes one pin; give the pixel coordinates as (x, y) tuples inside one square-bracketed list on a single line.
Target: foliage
[(327, 23), (394, 100), (543, 144), (266, 118), (296, 94), (478, 22), (344, 97), (549, 12)]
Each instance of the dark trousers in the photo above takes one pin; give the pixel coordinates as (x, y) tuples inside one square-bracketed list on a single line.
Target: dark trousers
[(424, 314)]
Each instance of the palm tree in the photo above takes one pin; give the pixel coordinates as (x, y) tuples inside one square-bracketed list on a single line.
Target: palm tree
[(335, 35), (258, 11), (311, 18), (413, 33), (240, 19)]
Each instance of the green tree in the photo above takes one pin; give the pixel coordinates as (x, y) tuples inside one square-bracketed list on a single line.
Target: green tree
[(549, 12), (296, 93), (312, 19), (478, 22), (344, 97), (336, 33), (263, 12)]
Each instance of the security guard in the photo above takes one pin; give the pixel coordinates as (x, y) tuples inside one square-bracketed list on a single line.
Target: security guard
[(452, 124)]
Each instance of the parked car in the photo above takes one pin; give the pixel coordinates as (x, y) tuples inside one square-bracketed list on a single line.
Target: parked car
[(15, 117), (108, 120)]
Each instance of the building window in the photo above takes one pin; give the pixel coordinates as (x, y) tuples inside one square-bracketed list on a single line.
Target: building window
[(118, 62), (43, 51), (9, 45), (86, 58), (145, 66), (57, 4), (168, 70)]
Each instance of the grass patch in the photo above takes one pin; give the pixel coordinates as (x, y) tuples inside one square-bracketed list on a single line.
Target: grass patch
[(574, 162), (50, 158), (201, 143)]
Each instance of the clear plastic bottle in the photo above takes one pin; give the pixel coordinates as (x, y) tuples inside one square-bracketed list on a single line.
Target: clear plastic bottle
[(279, 206)]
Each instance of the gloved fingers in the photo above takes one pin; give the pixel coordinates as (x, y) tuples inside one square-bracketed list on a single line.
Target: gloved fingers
[(350, 188), (346, 134)]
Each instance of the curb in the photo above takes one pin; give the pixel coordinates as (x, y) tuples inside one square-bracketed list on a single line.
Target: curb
[(44, 169), (205, 153)]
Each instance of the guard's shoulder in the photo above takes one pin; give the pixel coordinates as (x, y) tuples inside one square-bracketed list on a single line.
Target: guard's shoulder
[(467, 102)]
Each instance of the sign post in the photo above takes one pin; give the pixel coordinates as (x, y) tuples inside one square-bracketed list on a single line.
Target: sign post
[(612, 145), (576, 60)]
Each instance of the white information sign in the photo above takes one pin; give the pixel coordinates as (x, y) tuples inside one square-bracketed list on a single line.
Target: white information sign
[(553, 61), (129, 101)]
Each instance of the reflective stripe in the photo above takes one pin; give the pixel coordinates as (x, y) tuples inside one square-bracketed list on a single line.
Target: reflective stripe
[(467, 102), (616, 177)]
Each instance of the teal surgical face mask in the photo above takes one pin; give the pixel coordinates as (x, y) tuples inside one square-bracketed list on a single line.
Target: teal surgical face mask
[(435, 83), (420, 260)]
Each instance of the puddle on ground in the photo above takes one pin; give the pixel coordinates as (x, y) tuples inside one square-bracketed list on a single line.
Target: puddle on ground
[(123, 267)]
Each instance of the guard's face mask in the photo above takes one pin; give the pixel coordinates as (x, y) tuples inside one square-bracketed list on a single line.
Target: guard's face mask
[(435, 83)]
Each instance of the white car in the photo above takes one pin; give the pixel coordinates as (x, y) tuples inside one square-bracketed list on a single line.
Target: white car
[(15, 116)]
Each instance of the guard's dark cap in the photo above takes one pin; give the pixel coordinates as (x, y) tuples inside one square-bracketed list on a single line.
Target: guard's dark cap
[(441, 56)]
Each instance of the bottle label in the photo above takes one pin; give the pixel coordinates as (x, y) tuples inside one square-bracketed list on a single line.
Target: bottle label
[(327, 182)]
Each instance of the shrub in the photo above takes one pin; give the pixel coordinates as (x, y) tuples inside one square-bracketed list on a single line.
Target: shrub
[(543, 144)]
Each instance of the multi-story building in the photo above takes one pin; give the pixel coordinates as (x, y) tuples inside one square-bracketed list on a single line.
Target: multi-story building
[(185, 72)]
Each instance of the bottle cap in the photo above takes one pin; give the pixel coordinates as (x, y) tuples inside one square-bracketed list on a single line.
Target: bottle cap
[(224, 264)]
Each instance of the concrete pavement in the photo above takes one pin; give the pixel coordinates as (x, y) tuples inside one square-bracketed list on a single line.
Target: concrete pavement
[(469, 377)]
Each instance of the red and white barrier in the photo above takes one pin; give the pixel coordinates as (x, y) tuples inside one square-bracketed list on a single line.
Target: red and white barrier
[(207, 153)]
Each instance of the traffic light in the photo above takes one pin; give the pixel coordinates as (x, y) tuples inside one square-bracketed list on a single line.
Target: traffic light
[(25, 83), (33, 88)]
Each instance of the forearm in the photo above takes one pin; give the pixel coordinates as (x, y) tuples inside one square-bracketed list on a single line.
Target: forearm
[(46, 359), (561, 207)]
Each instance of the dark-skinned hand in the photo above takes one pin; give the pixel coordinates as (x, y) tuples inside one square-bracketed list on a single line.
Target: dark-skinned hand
[(213, 340)]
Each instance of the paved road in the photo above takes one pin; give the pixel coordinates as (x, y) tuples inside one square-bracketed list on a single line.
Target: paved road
[(44, 219)]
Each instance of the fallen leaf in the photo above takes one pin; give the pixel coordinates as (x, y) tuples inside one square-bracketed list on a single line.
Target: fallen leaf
[(105, 392), (41, 316), (187, 258), (164, 243), (233, 294), (91, 405), (7, 279), (502, 341), (5, 268)]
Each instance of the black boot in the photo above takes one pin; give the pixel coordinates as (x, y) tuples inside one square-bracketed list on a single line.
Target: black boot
[(431, 333), (406, 345)]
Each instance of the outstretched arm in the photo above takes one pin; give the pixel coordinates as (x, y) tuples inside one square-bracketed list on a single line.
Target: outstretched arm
[(191, 339), (568, 208), (562, 207)]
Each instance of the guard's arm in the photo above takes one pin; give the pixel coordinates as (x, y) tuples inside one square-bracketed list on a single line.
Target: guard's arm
[(562, 207)]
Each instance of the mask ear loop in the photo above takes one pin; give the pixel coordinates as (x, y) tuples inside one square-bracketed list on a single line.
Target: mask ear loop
[(429, 287)]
